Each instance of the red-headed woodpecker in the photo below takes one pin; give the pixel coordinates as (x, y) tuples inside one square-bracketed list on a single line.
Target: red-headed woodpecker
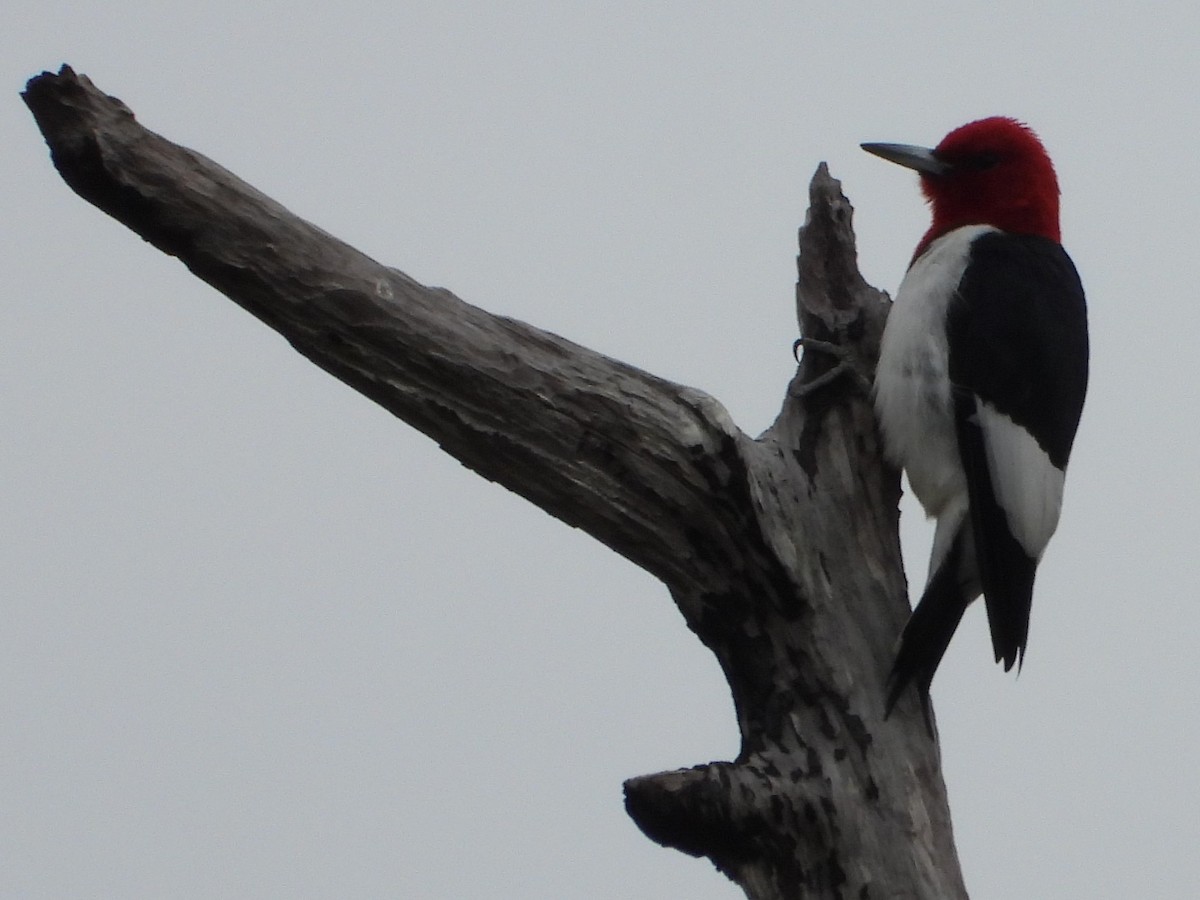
[(980, 384)]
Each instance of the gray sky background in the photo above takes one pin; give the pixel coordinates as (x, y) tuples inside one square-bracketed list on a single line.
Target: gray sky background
[(261, 639)]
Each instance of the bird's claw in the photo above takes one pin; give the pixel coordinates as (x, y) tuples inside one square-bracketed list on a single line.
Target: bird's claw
[(845, 366), (824, 346)]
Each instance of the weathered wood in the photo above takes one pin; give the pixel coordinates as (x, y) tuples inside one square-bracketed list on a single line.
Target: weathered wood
[(781, 552)]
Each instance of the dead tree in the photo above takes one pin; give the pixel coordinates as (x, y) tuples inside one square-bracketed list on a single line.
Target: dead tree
[(781, 551)]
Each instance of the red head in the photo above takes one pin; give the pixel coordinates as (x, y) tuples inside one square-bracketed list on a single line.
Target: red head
[(991, 172)]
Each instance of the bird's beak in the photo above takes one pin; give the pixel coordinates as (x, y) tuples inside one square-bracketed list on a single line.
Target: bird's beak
[(919, 158)]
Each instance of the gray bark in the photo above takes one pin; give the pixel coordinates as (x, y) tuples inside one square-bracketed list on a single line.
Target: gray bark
[(781, 551)]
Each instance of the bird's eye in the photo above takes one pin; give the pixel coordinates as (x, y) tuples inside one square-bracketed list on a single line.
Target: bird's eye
[(981, 162)]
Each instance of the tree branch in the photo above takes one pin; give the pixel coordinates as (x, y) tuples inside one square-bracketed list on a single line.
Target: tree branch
[(781, 552), (600, 444)]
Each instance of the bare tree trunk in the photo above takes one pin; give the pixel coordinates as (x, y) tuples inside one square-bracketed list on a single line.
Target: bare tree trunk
[(781, 552)]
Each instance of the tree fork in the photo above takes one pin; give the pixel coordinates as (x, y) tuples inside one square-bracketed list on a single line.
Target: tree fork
[(781, 551)]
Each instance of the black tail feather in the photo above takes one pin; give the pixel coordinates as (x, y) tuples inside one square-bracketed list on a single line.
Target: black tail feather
[(929, 630)]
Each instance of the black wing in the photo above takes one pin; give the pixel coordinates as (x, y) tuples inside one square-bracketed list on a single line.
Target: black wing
[(1017, 333)]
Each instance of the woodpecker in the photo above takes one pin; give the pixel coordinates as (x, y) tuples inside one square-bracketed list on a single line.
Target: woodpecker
[(980, 385)]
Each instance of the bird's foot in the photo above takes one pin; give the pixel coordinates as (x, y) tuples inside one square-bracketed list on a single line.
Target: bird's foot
[(845, 366)]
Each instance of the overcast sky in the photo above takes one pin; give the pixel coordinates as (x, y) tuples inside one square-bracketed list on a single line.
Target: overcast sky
[(261, 639)]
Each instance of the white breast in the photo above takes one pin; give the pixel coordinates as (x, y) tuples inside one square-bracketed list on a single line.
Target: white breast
[(912, 381)]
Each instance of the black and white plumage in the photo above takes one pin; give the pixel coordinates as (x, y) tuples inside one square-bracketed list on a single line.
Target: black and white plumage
[(980, 385)]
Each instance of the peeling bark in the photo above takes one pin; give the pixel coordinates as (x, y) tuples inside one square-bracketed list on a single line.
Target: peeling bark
[(781, 551)]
